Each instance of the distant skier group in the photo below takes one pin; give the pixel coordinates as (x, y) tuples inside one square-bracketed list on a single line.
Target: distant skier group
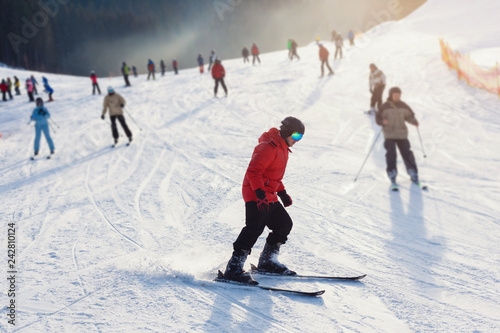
[(6, 86)]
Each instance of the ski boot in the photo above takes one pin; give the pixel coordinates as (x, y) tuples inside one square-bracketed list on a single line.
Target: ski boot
[(392, 176), (33, 157), (234, 269), (268, 261), (414, 176)]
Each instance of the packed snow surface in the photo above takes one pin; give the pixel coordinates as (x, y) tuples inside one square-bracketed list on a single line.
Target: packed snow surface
[(129, 239)]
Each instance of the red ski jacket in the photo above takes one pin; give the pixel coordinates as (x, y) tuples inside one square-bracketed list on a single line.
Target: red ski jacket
[(218, 71), (4, 87), (93, 77), (323, 53), (267, 167), (255, 49)]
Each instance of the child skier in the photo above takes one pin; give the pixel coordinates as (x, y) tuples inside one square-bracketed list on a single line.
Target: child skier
[(47, 88)]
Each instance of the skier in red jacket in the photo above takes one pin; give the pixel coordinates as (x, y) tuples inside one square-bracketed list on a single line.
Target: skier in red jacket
[(255, 53), (95, 85), (262, 186), (218, 74), (323, 56)]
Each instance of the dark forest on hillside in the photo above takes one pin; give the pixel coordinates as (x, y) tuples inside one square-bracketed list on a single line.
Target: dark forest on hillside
[(76, 36)]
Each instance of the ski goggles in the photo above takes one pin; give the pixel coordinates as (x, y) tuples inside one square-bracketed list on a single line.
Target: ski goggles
[(296, 136)]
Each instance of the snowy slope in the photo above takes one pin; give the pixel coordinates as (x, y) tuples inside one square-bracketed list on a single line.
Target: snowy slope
[(129, 239)]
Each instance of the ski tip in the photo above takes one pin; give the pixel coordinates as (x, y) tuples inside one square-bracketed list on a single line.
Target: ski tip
[(360, 277)]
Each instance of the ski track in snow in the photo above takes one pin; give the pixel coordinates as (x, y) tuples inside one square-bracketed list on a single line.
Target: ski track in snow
[(130, 238)]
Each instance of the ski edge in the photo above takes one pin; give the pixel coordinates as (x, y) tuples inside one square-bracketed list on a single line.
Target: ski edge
[(219, 278), (254, 270)]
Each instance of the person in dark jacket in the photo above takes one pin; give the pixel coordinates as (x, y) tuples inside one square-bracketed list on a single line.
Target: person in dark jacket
[(4, 88), (255, 53), (134, 69), (392, 117), (200, 63), (163, 68), (9, 88), (125, 72), (245, 53), (151, 69), (174, 66), (41, 115), (95, 85), (17, 85), (262, 186), (323, 57), (218, 74)]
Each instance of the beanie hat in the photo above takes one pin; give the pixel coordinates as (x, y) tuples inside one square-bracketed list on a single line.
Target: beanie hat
[(39, 100), (393, 90), (110, 89), (290, 125)]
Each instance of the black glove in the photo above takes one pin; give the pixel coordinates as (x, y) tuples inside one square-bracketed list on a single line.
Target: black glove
[(285, 198), (122, 105), (262, 202), (102, 117)]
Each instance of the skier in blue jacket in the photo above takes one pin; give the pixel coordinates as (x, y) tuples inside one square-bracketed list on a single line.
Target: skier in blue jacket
[(48, 89), (41, 115)]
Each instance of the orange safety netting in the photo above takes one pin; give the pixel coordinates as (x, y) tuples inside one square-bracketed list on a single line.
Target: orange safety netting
[(469, 71)]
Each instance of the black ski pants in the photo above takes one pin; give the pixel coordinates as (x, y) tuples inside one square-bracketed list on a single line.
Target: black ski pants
[(276, 219), (246, 59), (377, 96), (94, 86), (114, 129), (323, 62), (255, 56), (221, 80), (30, 95), (151, 73), (4, 94), (125, 77), (406, 153)]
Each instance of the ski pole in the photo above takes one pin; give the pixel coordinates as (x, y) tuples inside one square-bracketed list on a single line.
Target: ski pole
[(373, 145), (421, 144), (29, 122), (132, 119), (53, 122), (51, 127)]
